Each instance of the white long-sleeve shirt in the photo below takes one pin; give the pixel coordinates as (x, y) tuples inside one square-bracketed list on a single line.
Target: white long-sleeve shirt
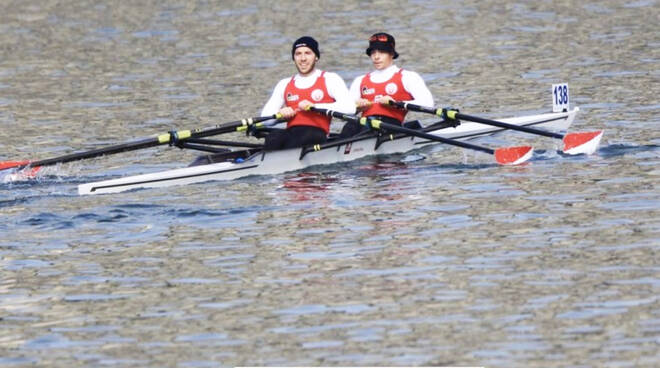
[(412, 83), (333, 82)]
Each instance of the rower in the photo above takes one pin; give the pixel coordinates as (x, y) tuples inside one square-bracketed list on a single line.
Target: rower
[(387, 82), (293, 96)]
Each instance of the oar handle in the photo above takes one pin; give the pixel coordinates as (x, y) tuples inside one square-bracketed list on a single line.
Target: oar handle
[(335, 114), (239, 126), (366, 121), (443, 113)]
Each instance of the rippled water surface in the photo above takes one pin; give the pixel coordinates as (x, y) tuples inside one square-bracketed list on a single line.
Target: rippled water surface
[(449, 260)]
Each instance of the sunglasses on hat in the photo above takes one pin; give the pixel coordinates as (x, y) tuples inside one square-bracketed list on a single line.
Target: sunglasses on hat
[(378, 38)]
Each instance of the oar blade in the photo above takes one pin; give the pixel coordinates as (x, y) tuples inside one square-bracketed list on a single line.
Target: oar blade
[(513, 155), (16, 170), (582, 142), (4, 165)]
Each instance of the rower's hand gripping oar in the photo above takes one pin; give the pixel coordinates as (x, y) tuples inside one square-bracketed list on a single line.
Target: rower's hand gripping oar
[(574, 143), (503, 156), (171, 138)]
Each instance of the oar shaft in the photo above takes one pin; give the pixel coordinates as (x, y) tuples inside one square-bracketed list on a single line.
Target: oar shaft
[(454, 114), (215, 142), (431, 137), (501, 124), (145, 143), (377, 124), (167, 138)]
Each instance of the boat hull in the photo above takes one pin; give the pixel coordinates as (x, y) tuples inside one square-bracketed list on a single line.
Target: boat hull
[(276, 162)]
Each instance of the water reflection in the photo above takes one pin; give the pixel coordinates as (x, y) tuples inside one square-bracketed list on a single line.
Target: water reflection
[(305, 186)]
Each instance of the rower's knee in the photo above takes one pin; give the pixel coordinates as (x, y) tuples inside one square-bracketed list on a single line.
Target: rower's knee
[(350, 129), (275, 139)]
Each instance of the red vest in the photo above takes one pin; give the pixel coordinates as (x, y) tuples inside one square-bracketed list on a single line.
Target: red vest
[(392, 87), (317, 93)]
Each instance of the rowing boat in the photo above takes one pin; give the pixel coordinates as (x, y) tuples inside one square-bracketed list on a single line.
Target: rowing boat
[(238, 164)]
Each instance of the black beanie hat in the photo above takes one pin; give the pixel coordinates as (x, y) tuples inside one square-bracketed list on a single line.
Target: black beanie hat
[(307, 42), (383, 42)]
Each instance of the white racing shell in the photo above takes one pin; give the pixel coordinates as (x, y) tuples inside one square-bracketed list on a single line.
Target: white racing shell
[(275, 162)]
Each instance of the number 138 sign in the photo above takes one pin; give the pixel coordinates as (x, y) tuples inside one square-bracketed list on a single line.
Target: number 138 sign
[(559, 97)]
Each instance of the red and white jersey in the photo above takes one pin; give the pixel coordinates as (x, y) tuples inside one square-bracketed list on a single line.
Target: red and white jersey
[(401, 85), (392, 87), (317, 93), (334, 89)]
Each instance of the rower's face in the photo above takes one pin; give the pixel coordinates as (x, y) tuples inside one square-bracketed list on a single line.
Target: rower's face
[(305, 60), (381, 59)]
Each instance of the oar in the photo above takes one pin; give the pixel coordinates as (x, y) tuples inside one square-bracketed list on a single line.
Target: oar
[(574, 143), (171, 138), (503, 156)]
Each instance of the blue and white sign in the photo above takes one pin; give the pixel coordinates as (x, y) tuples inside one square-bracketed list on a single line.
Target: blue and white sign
[(560, 97)]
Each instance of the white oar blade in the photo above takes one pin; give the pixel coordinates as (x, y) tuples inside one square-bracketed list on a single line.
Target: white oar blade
[(582, 143), (513, 155)]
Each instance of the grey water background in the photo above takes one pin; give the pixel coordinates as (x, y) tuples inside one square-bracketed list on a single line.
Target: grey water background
[(449, 260)]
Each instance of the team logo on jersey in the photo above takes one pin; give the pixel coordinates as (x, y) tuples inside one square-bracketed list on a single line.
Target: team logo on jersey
[(317, 95), (368, 91), (391, 88), (292, 97)]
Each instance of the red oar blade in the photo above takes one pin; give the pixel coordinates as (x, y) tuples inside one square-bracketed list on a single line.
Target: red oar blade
[(4, 165), (583, 142), (29, 173), (513, 155)]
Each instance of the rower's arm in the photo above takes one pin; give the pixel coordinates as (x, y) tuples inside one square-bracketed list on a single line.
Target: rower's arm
[(354, 91), (415, 85), (276, 100), (337, 90)]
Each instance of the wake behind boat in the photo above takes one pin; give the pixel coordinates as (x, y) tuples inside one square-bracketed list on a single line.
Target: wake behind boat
[(238, 164)]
